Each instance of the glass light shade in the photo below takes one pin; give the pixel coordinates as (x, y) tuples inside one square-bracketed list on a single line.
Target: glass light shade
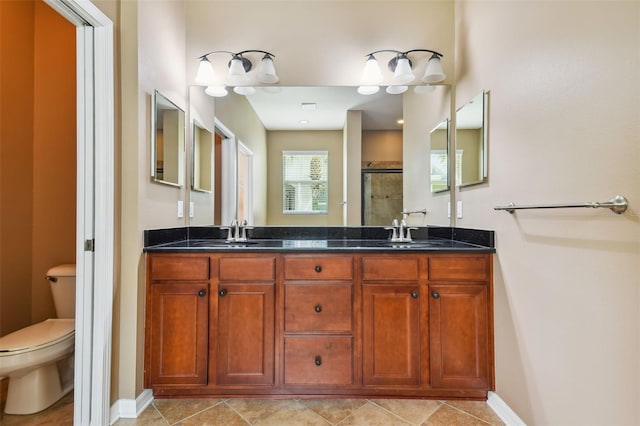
[(266, 72), (216, 91), (371, 74), (244, 90), (434, 72), (396, 90), (368, 90), (403, 73), (237, 74), (205, 76)]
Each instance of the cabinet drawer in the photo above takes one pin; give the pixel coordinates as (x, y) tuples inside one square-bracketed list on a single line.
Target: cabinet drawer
[(318, 267), (455, 267), (317, 308), (390, 268), (247, 268), (179, 268), (318, 360)]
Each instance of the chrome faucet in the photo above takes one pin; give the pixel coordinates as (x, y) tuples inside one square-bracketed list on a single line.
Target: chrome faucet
[(400, 232), (241, 233), (237, 231)]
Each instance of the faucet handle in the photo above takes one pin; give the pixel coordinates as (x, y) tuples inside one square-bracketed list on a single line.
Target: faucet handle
[(394, 232), (409, 228)]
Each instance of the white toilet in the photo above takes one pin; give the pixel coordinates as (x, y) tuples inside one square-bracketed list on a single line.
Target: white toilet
[(38, 359)]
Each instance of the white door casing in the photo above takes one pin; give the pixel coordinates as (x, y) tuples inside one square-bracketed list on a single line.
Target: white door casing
[(95, 208)]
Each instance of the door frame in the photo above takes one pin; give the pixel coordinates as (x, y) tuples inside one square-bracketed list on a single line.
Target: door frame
[(95, 208)]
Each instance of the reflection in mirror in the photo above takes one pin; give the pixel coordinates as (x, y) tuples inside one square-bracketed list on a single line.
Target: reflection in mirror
[(202, 164), (440, 157), (167, 141), (360, 132), (471, 141)]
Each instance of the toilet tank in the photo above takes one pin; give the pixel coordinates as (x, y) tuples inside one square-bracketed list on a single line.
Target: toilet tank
[(62, 279)]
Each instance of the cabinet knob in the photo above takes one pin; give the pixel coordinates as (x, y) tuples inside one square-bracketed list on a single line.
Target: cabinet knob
[(414, 294), (435, 295), (202, 293), (318, 268), (223, 292), (318, 308), (318, 360)]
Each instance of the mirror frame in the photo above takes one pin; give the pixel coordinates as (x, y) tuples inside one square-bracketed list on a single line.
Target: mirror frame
[(196, 127), (483, 175), (157, 100)]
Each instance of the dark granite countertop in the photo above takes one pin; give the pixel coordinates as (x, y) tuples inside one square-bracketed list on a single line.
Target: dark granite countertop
[(203, 239)]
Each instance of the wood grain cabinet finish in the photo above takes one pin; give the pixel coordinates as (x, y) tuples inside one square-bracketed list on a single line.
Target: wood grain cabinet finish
[(461, 322), (246, 315), (318, 320), (349, 324), (177, 321)]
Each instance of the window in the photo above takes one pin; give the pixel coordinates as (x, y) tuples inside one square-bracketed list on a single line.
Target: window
[(440, 169), (305, 182)]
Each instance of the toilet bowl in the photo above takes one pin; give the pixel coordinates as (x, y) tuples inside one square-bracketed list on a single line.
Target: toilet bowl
[(38, 359)]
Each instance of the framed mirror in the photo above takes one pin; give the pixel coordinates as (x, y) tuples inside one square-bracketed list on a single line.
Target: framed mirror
[(202, 158), (167, 141), (439, 157), (471, 141)]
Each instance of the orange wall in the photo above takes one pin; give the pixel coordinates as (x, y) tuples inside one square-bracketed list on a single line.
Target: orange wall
[(38, 185), (16, 166)]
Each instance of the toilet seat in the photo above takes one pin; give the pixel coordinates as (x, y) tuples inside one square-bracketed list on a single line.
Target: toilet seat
[(36, 336)]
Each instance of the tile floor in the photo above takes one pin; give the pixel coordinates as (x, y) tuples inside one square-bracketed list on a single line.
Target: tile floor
[(285, 412)]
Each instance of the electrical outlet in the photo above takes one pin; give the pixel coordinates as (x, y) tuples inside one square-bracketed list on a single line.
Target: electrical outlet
[(180, 209), (191, 209), (449, 210), (459, 210)]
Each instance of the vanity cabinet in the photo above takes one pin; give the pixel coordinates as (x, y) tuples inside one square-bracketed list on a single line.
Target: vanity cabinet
[(460, 322), (177, 320), (369, 324), (318, 321), (245, 326), (391, 323)]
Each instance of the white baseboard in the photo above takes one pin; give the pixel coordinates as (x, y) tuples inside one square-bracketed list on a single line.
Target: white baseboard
[(506, 414), (130, 408)]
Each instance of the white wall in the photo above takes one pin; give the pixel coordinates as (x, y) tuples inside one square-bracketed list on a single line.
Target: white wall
[(564, 127)]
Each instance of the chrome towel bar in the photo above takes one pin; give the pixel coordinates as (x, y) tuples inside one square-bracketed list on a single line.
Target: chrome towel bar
[(617, 204)]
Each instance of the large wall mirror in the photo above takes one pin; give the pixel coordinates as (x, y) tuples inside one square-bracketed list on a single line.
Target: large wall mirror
[(167, 141), (471, 141), (277, 119)]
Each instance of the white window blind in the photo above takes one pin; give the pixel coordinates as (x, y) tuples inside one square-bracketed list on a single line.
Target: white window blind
[(305, 182)]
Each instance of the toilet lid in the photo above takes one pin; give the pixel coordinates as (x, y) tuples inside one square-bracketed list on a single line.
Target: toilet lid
[(43, 333)]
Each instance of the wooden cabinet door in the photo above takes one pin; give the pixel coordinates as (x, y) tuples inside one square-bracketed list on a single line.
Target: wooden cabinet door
[(245, 354), (391, 334), (459, 336), (178, 333)]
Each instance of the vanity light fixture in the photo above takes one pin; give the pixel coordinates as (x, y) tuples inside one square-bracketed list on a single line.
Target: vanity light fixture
[(239, 66), (400, 65)]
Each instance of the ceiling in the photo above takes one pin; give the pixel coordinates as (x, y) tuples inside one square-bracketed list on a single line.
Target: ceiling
[(281, 108)]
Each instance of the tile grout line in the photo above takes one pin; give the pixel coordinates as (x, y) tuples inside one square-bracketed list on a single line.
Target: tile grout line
[(238, 413), (466, 412), (191, 415)]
